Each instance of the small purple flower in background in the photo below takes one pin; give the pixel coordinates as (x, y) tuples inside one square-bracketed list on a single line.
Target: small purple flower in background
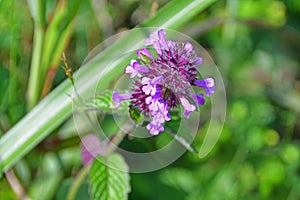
[(90, 148), (165, 82)]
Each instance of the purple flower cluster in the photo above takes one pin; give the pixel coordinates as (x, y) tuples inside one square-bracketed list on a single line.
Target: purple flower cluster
[(163, 83)]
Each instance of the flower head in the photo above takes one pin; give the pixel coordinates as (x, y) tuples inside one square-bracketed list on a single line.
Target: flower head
[(166, 82)]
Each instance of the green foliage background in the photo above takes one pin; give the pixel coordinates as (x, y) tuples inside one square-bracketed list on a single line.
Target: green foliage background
[(255, 45)]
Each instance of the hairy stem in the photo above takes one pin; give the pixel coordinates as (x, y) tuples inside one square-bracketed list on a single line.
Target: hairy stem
[(78, 181), (16, 185), (117, 139)]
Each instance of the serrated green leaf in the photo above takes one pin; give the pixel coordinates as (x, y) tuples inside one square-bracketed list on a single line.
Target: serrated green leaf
[(103, 103), (109, 178)]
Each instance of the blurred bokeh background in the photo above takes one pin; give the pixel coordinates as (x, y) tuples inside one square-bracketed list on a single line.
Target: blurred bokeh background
[(256, 46)]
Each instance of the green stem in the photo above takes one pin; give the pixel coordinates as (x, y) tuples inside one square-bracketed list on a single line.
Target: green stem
[(78, 181), (16, 185), (56, 31), (37, 9), (117, 138), (12, 96), (34, 86)]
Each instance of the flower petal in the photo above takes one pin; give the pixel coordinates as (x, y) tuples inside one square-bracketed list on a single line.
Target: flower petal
[(162, 39), (151, 39), (141, 69), (208, 84), (135, 68), (199, 98), (188, 108), (156, 80), (118, 98)]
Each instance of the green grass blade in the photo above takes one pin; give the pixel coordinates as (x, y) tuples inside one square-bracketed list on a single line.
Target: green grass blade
[(37, 9), (177, 13)]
